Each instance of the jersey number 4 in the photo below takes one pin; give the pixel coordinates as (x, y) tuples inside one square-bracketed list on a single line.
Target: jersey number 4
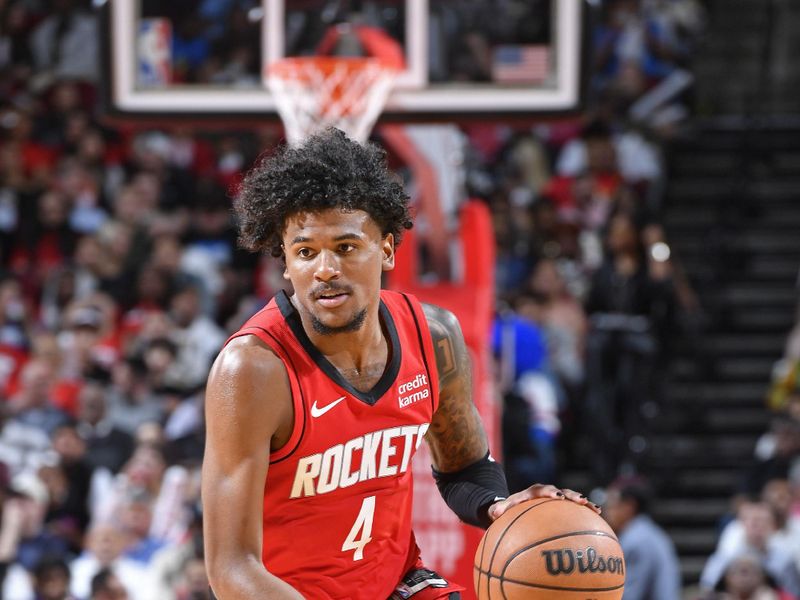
[(361, 533)]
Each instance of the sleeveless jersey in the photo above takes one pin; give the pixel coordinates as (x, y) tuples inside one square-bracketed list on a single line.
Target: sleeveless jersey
[(337, 498)]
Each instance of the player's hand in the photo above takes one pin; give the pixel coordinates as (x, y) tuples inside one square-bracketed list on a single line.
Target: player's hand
[(539, 490)]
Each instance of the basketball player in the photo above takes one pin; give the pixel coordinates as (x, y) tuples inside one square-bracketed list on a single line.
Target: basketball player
[(316, 406)]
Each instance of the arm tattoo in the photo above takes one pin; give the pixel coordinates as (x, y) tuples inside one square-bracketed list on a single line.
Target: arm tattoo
[(456, 437), (444, 357)]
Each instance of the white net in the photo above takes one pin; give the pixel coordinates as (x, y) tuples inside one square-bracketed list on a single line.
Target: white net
[(314, 93)]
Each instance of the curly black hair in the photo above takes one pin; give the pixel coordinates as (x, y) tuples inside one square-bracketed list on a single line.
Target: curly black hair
[(328, 171)]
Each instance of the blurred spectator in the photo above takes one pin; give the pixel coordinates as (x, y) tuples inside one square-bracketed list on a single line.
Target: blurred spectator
[(777, 451), (107, 586), (236, 54), (44, 241), (107, 446), (628, 307), (23, 534), (15, 56), (168, 564), (104, 545), (565, 325), (651, 563), (42, 536), (153, 289), (130, 399), (794, 486), (514, 238), (784, 393), (135, 518), (638, 159), (528, 166), (630, 49), (33, 404), (745, 579), (68, 482), (82, 191), (195, 581), (761, 537), (89, 341), (160, 495), (531, 421), (150, 436), (13, 526), (190, 50), (21, 445), (160, 357), (777, 494), (185, 417), (15, 316), (51, 580), (199, 339), (15, 323), (642, 51), (65, 44)]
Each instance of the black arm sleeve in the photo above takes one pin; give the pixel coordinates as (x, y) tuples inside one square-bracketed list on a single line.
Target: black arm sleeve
[(470, 491)]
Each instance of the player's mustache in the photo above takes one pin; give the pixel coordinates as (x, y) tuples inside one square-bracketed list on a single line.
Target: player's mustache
[(330, 288)]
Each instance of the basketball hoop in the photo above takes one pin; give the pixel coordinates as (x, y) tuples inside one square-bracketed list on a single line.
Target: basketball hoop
[(316, 92)]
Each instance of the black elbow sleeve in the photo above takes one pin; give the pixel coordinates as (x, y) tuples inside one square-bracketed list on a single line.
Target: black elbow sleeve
[(470, 491)]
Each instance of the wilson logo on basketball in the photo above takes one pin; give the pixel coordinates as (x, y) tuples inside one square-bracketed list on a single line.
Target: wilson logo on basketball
[(564, 562)]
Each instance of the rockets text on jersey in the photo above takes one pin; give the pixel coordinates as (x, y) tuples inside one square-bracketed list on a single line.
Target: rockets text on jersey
[(335, 468)]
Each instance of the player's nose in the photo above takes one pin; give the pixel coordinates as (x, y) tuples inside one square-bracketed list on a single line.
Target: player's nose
[(327, 266)]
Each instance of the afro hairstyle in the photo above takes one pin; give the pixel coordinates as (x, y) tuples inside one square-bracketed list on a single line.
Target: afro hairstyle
[(328, 171)]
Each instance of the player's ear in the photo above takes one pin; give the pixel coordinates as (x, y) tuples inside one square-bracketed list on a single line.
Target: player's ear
[(387, 247)]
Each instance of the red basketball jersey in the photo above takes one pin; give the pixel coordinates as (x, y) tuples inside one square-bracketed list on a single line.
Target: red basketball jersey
[(337, 499)]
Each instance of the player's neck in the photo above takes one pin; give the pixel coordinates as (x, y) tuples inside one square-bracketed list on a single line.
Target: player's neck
[(353, 351)]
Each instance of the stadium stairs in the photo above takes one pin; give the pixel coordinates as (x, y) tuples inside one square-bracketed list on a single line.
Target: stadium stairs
[(732, 215)]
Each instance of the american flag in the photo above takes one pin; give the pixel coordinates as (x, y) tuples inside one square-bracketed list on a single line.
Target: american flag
[(520, 63)]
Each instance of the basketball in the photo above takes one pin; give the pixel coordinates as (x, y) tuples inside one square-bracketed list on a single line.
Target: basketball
[(549, 549)]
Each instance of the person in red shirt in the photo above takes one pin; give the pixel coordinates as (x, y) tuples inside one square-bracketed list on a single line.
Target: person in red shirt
[(317, 404)]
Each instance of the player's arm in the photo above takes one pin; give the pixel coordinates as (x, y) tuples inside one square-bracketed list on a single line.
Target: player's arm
[(248, 400), (470, 481)]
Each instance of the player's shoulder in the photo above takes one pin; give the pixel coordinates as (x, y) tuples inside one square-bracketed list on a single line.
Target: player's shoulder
[(441, 321), (247, 356)]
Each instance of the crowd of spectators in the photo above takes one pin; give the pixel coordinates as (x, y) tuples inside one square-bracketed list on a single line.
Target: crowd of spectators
[(758, 550), (121, 279), (584, 268)]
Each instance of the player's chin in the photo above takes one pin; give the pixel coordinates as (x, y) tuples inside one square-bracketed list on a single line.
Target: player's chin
[(333, 321)]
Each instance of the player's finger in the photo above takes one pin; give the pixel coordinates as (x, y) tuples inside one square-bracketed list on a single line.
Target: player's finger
[(580, 499), (574, 496), (541, 490), (538, 490)]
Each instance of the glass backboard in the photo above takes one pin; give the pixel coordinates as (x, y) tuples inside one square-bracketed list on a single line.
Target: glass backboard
[(462, 58)]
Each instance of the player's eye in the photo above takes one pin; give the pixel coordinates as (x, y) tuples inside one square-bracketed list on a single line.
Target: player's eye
[(346, 248), (305, 252)]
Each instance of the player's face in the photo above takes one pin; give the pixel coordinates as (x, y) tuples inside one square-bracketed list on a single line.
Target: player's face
[(334, 259)]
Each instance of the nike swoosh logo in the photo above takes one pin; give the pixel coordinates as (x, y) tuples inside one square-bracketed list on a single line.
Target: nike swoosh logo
[(317, 411)]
